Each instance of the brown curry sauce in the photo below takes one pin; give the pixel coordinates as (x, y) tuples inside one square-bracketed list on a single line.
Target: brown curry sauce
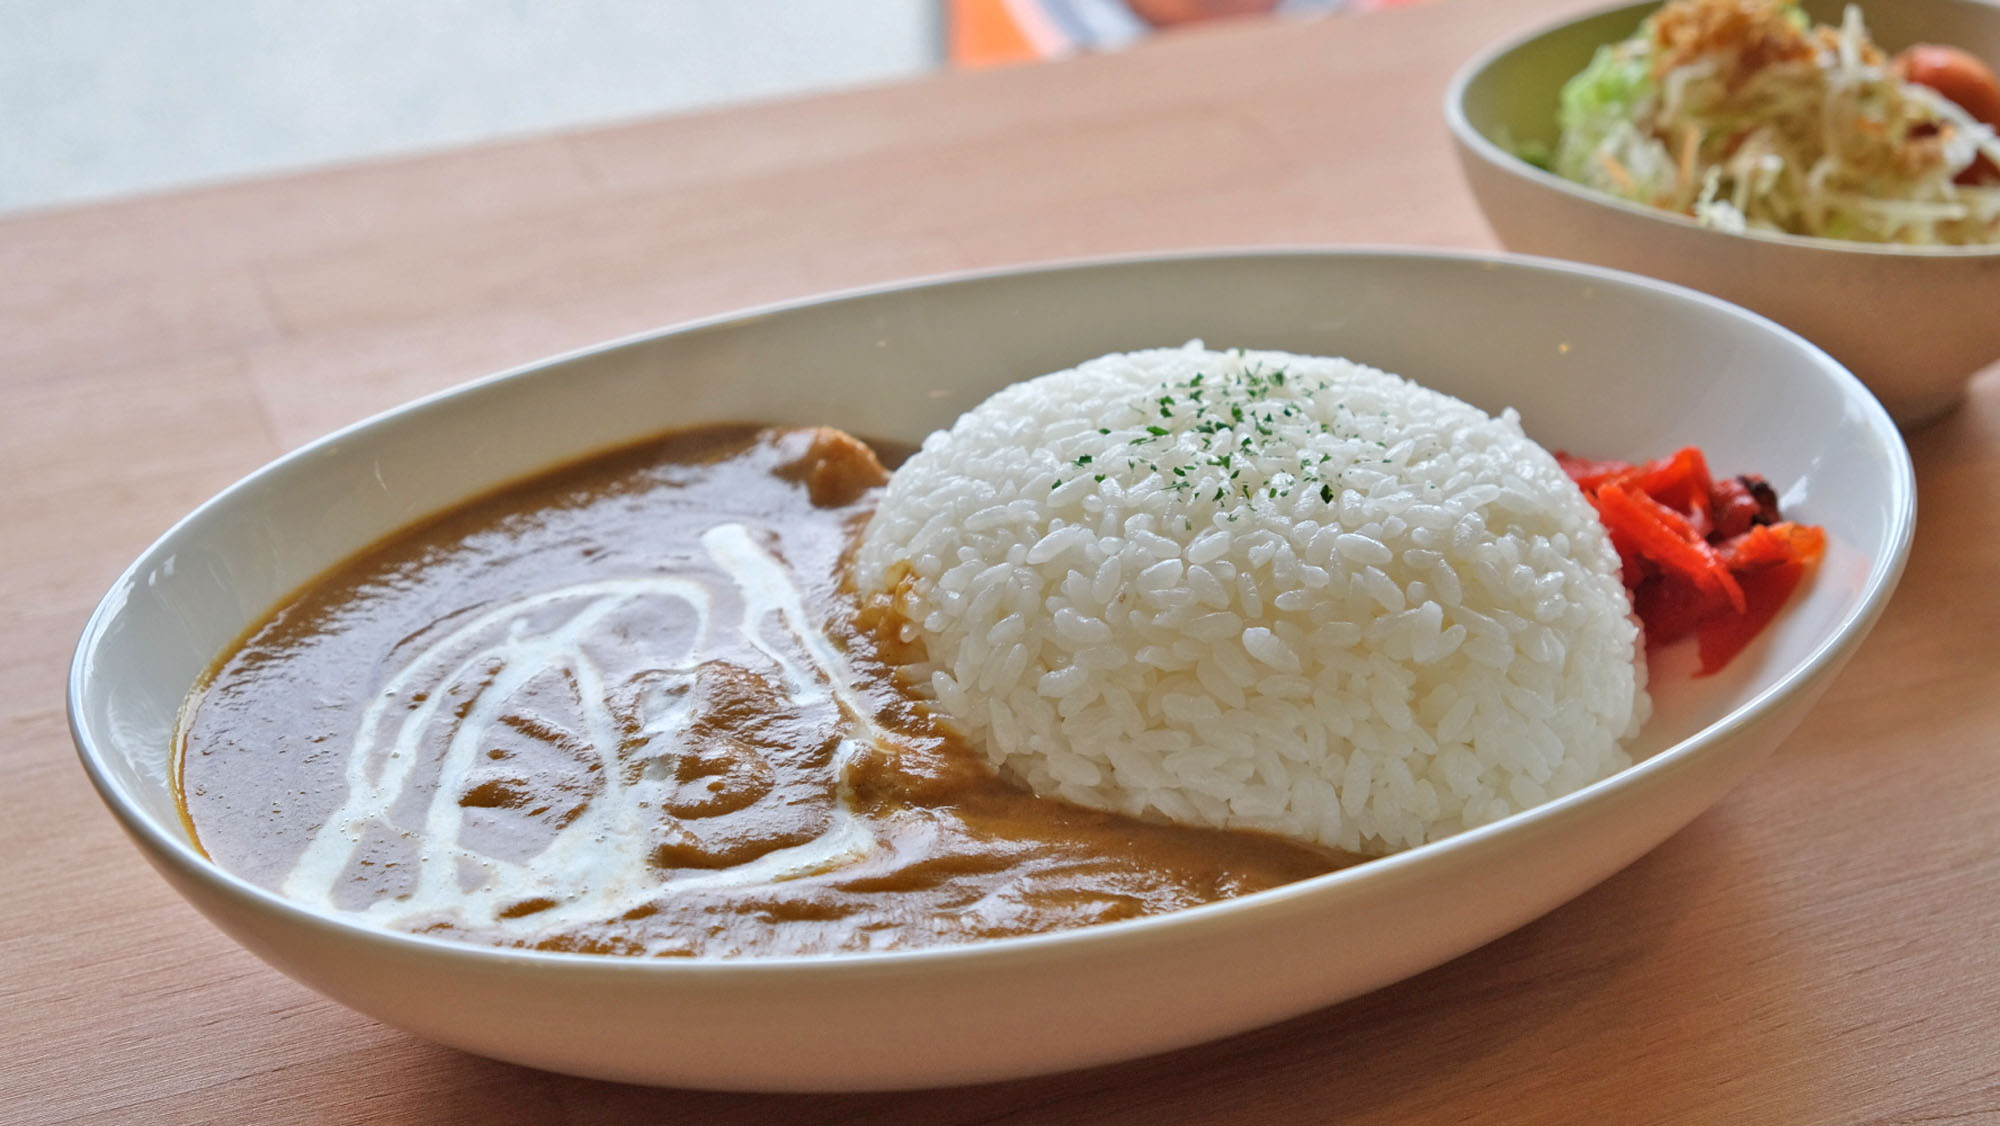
[(564, 742)]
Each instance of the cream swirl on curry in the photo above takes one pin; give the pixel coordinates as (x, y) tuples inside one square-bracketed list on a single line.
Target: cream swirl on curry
[(625, 708)]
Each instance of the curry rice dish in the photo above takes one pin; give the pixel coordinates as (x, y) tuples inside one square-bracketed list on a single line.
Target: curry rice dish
[(633, 706)]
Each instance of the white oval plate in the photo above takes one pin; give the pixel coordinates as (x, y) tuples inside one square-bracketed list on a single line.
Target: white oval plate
[(1600, 363)]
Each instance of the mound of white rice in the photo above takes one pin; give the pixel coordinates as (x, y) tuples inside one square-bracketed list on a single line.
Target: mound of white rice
[(1258, 590)]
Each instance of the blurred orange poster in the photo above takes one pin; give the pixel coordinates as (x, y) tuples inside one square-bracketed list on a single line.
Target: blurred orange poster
[(985, 33)]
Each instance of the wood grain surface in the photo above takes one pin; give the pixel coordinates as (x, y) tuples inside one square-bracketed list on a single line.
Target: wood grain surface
[(1821, 947)]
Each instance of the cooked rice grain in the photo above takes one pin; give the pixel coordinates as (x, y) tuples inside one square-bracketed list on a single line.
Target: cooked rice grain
[(1259, 590)]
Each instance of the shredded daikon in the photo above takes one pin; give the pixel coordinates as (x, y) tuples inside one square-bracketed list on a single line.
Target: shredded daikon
[(1747, 117)]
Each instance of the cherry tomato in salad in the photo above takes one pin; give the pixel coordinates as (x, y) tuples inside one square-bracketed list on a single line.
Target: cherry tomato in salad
[(1964, 79), (1957, 75)]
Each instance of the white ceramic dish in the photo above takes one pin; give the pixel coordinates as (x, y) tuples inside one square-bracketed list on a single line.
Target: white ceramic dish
[(1596, 362), (1914, 323)]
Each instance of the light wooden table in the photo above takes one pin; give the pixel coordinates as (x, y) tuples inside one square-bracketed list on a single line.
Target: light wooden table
[(1823, 946)]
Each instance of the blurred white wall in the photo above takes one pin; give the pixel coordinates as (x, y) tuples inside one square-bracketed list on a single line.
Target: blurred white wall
[(109, 97)]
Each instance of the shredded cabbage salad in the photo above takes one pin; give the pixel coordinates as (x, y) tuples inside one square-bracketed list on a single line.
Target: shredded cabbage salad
[(1744, 115)]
